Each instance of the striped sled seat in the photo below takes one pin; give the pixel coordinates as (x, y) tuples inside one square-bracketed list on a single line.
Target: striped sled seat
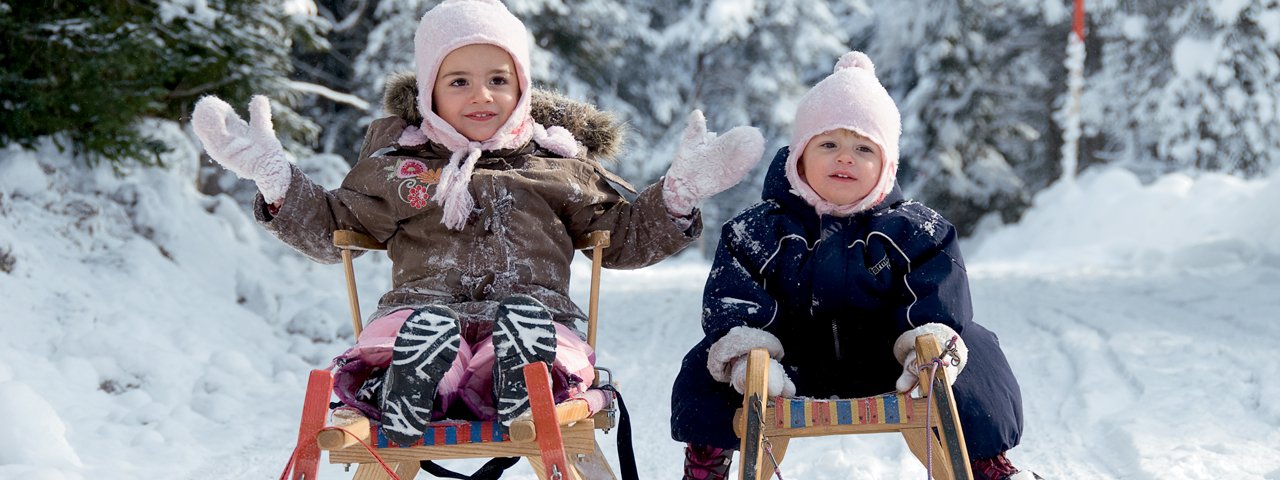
[(929, 424), (558, 440)]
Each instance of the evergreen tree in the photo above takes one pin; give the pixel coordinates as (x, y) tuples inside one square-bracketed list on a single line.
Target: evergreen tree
[(85, 74), (1188, 86)]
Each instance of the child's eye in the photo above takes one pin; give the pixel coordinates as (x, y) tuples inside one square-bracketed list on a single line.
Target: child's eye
[(827, 144), (458, 82), (865, 149), (499, 81)]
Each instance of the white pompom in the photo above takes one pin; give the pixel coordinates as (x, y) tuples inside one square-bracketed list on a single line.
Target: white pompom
[(855, 59)]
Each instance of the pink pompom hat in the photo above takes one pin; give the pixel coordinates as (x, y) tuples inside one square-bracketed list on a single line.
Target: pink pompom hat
[(850, 98)]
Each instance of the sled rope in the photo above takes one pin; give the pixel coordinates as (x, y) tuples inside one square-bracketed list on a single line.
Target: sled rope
[(390, 472), (768, 449)]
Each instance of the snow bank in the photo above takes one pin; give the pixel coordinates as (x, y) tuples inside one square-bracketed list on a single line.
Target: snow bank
[(1109, 220)]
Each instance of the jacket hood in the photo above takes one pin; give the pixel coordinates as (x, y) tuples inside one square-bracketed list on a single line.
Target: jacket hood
[(598, 131)]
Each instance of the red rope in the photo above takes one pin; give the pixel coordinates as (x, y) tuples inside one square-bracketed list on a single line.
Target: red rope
[(292, 457)]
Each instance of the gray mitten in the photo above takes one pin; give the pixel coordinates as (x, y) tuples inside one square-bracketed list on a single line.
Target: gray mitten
[(727, 359), (904, 349)]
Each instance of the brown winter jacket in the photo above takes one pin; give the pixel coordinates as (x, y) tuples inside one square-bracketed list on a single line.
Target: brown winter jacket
[(530, 205)]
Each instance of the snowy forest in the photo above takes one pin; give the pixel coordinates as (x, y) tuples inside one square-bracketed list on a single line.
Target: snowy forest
[(981, 84)]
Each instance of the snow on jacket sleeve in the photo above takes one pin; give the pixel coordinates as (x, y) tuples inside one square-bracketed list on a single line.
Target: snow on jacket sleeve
[(734, 294), (641, 232), (310, 214), (936, 288)]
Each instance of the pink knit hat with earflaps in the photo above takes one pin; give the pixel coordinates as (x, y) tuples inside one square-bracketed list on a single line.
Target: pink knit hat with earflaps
[(850, 98), (450, 25)]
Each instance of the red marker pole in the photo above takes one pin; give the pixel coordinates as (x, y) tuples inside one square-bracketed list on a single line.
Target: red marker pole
[(1079, 20)]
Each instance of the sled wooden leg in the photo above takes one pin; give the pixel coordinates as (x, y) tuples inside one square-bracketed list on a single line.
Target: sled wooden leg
[(753, 408), (555, 464), (315, 407), (917, 440), (593, 466), (572, 472), (373, 471), (949, 432), (944, 418)]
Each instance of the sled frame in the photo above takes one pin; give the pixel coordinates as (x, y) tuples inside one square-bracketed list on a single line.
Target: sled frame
[(558, 440), (929, 424)]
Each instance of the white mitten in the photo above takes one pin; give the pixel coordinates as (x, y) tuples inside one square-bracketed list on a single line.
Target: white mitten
[(904, 349), (707, 164), (779, 382), (250, 150)]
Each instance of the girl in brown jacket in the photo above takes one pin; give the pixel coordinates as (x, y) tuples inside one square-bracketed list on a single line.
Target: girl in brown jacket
[(478, 206)]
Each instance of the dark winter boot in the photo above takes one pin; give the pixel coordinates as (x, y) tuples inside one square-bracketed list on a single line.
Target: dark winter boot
[(523, 334), (999, 468), (702, 462), (425, 348)]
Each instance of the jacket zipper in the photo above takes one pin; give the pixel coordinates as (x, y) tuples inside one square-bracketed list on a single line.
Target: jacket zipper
[(835, 339)]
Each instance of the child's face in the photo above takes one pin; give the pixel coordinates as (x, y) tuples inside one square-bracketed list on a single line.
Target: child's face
[(841, 166), (476, 90)]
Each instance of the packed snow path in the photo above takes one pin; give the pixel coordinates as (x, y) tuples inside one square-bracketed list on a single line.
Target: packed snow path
[(1123, 375)]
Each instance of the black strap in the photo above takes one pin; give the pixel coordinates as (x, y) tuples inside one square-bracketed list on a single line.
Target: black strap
[(491, 470), (626, 453)]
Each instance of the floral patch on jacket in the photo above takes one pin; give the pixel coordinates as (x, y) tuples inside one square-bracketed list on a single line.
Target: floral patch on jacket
[(414, 178)]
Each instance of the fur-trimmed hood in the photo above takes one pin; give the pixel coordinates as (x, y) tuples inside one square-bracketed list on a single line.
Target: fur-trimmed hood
[(599, 132)]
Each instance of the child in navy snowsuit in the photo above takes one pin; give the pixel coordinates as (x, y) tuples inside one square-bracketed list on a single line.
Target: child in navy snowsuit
[(838, 272)]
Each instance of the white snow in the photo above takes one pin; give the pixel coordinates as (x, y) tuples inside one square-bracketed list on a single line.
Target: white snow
[(150, 331), (1192, 57)]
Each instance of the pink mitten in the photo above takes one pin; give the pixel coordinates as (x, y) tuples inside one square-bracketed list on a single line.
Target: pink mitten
[(707, 164), (250, 150)]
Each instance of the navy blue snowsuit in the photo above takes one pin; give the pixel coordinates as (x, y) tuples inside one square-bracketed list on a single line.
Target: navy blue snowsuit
[(837, 291)]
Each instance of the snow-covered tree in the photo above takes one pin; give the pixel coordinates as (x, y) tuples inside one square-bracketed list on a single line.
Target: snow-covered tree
[(329, 75), (975, 81), (742, 63), (1188, 85)]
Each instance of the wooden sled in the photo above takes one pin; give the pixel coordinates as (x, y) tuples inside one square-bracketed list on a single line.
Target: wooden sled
[(557, 440), (929, 424)]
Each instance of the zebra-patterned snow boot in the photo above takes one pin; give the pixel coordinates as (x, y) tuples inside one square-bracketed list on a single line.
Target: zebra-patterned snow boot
[(425, 348), (522, 335)]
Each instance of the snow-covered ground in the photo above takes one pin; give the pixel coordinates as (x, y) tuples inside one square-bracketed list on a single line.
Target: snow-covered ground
[(149, 331)]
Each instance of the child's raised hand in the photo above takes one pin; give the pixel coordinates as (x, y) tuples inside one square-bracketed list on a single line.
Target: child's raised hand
[(250, 150), (707, 164)]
